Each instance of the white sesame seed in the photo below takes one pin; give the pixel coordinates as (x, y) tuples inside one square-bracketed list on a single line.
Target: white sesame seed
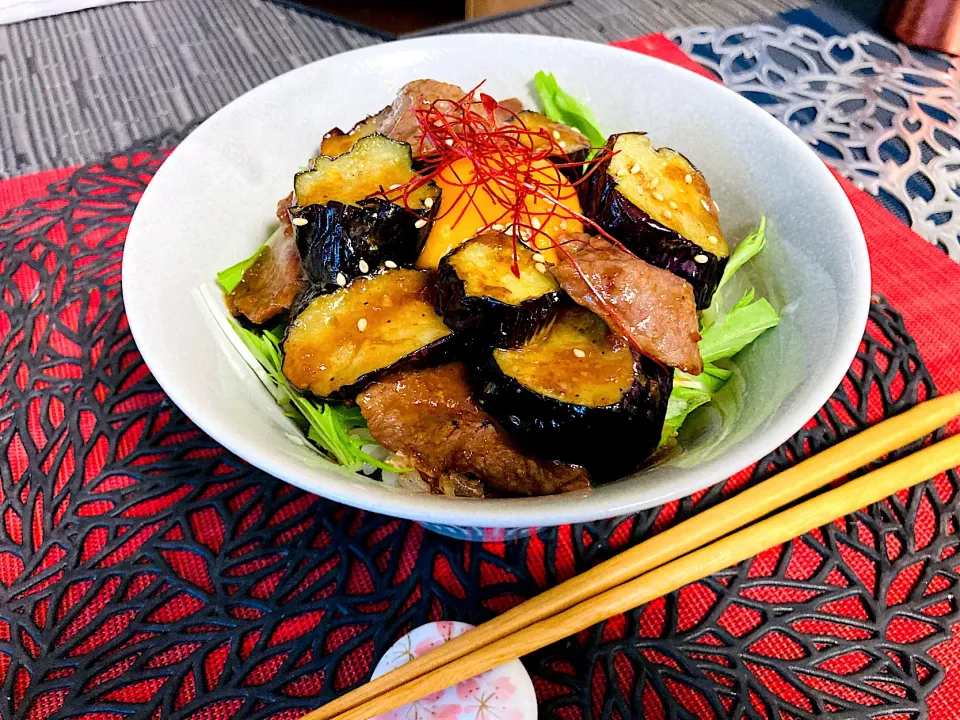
[(364, 267), (535, 222), (390, 264), (496, 226), (715, 206), (362, 324), (575, 129), (688, 178), (420, 223), (579, 353), (639, 190), (562, 145), (701, 258), (341, 280), (299, 221), (712, 239), (658, 196), (428, 202), (654, 182), (525, 233), (636, 168), (706, 205), (425, 102), (667, 214), (563, 224), (556, 135), (541, 267), (395, 186), (537, 257), (672, 204), (480, 229), (449, 141)]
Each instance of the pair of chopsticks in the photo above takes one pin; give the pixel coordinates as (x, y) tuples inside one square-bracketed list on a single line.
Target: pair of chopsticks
[(676, 557)]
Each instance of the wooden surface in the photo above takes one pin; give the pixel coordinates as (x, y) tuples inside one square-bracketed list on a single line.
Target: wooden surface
[(486, 8)]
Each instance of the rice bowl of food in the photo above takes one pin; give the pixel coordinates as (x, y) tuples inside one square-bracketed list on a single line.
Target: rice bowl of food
[(506, 296)]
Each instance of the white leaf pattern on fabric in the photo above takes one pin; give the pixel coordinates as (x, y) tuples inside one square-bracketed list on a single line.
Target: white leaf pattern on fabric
[(882, 114)]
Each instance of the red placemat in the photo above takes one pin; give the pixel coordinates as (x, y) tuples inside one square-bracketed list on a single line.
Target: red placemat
[(144, 572)]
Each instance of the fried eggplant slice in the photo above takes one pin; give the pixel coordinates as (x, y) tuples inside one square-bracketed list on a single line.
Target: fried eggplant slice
[(375, 164), (652, 307), (658, 205), (340, 242), (431, 418), (336, 142), (346, 339), (578, 393), (574, 144), (480, 297), (269, 286)]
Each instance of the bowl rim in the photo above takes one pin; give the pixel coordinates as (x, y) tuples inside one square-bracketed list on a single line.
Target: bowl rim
[(509, 512)]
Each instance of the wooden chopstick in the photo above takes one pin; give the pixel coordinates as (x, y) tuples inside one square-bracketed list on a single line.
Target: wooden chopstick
[(749, 505), (779, 528)]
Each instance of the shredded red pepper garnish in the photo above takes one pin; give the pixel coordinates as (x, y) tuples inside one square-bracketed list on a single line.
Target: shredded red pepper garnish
[(508, 161)]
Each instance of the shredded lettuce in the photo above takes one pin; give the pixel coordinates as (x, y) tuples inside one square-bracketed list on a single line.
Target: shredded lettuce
[(723, 333), (749, 248), (326, 424), (736, 329), (559, 106)]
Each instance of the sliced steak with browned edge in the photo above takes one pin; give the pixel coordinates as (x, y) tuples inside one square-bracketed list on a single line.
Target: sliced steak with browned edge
[(653, 308), (431, 418)]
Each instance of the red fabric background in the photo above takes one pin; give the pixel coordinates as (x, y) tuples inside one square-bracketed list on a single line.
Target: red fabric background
[(16, 191)]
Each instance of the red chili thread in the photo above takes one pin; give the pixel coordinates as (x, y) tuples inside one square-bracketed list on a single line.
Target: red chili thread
[(504, 154)]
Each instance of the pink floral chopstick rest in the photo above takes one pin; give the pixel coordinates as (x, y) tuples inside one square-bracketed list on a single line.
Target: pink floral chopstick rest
[(504, 693)]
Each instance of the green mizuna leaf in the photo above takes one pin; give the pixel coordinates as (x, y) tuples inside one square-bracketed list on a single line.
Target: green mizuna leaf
[(232, 276), (328, 425)]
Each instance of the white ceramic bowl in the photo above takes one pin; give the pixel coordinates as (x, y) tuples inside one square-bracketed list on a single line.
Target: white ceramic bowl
[(214, 198)]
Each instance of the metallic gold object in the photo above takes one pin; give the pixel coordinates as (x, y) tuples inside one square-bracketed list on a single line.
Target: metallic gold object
[(933, 24)]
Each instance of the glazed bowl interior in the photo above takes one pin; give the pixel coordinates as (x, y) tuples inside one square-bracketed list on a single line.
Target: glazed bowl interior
[(214, 199)]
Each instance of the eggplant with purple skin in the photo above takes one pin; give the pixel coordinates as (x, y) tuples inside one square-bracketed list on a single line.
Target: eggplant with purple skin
[(481, 298), (342, 231), (574, 144), (374, 165), (337, 142), (577, 392), (658, 205), (340, 242), (344, 340)]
